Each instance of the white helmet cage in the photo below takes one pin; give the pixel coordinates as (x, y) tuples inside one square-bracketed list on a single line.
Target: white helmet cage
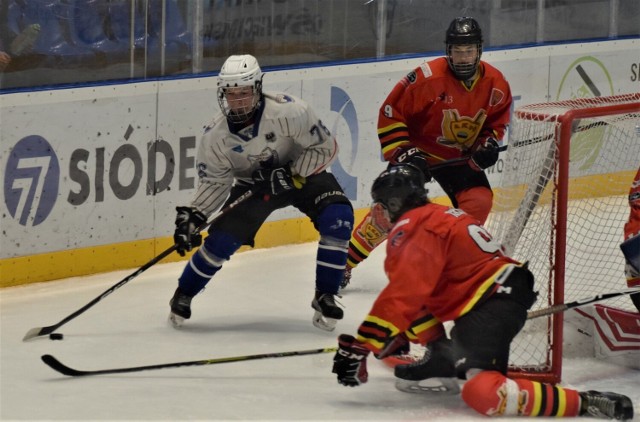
[(240, 71)]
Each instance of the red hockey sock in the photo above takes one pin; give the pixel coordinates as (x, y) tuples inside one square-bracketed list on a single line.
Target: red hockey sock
[(493, 394)]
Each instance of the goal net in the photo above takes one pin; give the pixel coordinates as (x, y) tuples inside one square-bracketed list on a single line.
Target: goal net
[(561, 204)]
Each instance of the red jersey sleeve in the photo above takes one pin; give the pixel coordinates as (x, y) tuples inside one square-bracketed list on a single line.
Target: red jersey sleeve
[(392, 123), (498, 104)]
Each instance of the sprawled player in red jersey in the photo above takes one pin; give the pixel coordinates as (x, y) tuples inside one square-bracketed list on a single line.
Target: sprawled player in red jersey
[(441, 261), (631, 245), (451, 108)]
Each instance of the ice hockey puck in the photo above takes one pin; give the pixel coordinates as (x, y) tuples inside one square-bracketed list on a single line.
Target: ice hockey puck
[(56, 336)]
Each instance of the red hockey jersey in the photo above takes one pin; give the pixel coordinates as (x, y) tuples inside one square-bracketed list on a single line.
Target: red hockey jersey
[(437, 113), (440, 262)]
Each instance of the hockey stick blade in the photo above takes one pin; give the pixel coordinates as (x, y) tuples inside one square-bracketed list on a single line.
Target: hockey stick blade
[(43, 331), (58, 366), (581, 302)]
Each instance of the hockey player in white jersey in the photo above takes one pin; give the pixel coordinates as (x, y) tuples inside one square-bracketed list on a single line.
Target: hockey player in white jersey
[(274, 145)]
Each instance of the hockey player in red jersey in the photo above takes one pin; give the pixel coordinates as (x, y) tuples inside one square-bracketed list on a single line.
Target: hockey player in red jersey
[(447, 117), (443, 266), (631, 245)]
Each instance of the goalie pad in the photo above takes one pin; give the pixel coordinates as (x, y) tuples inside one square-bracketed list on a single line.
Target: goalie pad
[(631, 251), (614, 334)]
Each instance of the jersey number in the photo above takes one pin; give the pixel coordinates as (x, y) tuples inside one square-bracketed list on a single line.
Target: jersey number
[(483, 239)]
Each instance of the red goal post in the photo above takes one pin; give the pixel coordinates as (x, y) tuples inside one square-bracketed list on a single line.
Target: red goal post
[(561, 203)]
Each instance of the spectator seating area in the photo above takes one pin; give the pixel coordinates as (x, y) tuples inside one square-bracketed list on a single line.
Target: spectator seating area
[(97, 33)]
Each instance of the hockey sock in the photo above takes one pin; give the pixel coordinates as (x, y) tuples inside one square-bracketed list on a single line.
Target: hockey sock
[(476, 202), (217, 249), (334, 224), (491, 393), (365, 238)]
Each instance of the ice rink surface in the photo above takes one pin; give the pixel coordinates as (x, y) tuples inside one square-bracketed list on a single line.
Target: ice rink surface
[(258, 303)]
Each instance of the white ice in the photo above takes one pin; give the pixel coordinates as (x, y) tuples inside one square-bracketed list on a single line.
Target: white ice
[(258, 303)]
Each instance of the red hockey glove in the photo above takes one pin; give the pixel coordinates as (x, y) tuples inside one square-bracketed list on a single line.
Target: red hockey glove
[(485, 155), (397, 345), (350, 361)]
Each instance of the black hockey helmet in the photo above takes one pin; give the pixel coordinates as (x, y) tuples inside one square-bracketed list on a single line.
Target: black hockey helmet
[(464, 31), (399, 189)]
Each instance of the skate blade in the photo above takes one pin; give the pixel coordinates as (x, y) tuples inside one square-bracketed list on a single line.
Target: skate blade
[(176, 321), (444, 386), (326, 324)]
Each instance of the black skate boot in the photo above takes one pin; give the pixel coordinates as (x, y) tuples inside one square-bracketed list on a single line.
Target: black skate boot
[(327, 311), (180, 308), (436, 365), (606, 405)]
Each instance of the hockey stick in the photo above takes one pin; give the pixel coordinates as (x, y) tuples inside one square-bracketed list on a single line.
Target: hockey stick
[(581, 302), (459, 160), (58, 366), (516, 144), (43, 331), (534, 191)]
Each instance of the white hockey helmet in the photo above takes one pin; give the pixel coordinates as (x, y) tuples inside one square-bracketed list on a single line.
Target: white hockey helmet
[(238, 72)]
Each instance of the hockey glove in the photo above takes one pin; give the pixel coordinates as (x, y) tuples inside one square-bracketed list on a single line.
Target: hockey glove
[(395, 346), (631, 251), (187, 236), (485, 155), (350, 361), (274, 181), (412, 155)]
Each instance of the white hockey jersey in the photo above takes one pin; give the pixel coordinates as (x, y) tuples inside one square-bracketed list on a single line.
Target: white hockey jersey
[(286, 132)]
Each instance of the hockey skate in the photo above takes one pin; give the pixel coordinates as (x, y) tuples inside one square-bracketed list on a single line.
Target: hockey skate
[(346, 278), (180, 308), (433, 373), (327, 311), (606, 405)]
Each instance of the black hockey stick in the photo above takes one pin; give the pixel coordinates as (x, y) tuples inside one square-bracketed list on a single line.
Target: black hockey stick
[(534, 191), (459, 160), (56, 365), (581, 302), (43, 331)]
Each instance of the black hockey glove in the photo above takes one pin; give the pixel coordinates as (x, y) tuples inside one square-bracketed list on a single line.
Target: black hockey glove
[(274, 181), (187, 235), (412, 155), (350, 361), (485, 155)]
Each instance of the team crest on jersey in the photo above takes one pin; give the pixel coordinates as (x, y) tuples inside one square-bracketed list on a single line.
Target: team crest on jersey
[(397, 239), (283, 98), (268, 158), (412, 77), (496, 97), (461, 131), (371, 234), (270, 137)]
